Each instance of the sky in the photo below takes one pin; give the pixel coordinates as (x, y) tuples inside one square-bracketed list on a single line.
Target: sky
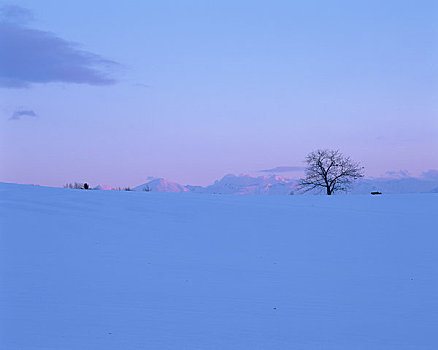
[(111, 92)]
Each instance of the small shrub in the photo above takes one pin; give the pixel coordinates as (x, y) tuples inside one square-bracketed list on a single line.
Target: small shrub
[(76, 186)]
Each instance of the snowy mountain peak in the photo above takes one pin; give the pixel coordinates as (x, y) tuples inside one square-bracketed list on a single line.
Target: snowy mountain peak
[(247, 184), (161, 185)]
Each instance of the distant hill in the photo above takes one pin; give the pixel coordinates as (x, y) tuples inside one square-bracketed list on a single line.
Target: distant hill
[(103, 187)]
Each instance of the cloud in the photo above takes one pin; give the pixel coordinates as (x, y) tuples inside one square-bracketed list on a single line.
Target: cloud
[(283, 169), (398, 174), (15, 14), (23, 113), (31, 56), (142, 85)]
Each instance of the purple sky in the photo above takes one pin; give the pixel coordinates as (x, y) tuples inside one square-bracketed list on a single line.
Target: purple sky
[(110, 92)]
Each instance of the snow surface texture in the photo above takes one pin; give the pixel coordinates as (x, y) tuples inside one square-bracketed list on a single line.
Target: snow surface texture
[(109, 270)]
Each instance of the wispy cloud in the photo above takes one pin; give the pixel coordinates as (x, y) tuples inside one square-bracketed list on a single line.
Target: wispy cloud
[(142, 85), (398, 174), (31, 56), (15, 14), (23, 113), (282, 169)]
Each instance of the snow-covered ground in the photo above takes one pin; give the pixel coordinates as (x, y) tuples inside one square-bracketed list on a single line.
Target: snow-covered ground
[(104, 270)]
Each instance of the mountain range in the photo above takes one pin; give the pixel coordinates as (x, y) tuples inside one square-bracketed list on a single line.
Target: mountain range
[(278, 185)]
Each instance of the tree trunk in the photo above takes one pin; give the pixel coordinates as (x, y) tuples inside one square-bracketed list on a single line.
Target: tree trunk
[(328, 191)]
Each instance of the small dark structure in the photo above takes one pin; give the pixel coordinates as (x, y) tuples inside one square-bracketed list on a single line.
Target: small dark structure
[(86, 186), (375, 192)]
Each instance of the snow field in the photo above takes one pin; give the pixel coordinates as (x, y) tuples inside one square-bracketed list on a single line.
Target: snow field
[(144, 270)]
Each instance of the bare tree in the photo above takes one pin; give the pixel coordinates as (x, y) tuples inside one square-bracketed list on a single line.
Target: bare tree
[(329, 170)]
